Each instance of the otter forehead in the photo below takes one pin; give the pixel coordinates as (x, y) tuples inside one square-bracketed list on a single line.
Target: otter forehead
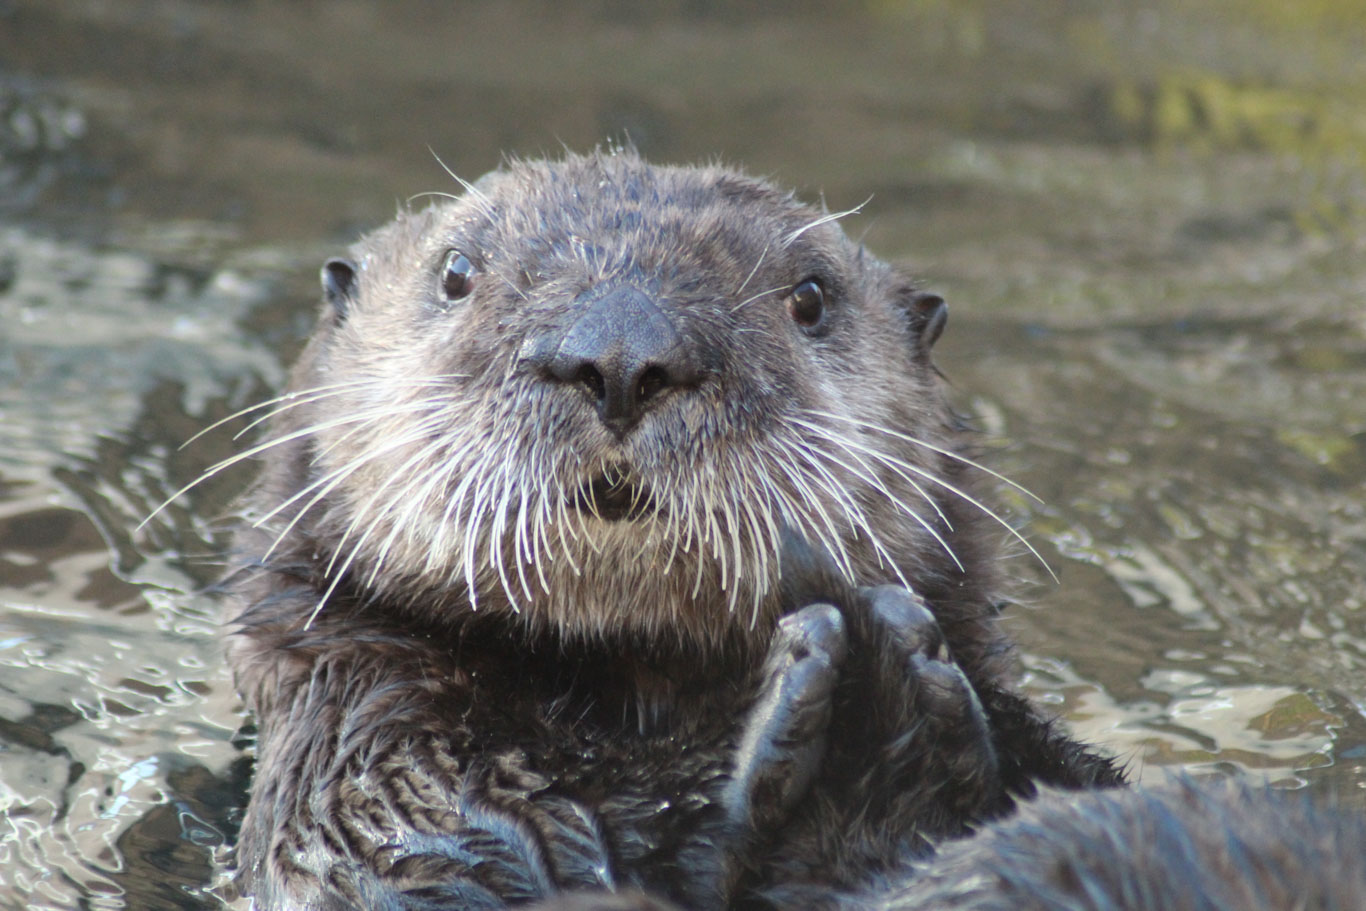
[(624, 213), (543, 230)]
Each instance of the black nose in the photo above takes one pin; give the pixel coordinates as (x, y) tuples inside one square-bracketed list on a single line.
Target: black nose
[(623, 350)]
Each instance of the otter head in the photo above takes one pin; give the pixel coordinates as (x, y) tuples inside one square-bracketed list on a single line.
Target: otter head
[(598, 394)]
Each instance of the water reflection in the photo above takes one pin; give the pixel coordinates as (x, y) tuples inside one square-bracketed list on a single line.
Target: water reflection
[(1193, 720)]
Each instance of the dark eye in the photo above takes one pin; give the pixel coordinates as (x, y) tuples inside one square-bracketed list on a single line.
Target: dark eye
[(457, 276), (806, 304)]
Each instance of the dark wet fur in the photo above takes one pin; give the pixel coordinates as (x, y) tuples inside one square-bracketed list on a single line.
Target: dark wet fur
[(414, 753), (1181, 846), (1185, 846)]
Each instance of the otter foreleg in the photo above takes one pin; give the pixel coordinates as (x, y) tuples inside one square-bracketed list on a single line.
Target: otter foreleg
[(911, 760), (937, 763), (782, 744)]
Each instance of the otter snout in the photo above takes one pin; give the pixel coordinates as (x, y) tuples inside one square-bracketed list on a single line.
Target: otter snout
[(623, 350)]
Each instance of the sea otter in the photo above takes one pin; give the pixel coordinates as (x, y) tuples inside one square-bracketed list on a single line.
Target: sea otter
[(614, 532)]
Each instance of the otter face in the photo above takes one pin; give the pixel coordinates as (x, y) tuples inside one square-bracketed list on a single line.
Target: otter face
[(598, 393)]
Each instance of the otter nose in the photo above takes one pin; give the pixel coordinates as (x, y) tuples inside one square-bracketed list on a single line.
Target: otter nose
[(623, 350)]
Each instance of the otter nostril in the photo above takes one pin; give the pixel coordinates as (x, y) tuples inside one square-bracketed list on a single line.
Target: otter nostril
[(621, 349), (652, 381), (591, 377)]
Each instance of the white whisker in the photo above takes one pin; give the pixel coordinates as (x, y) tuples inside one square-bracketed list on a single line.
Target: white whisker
[(858, 520), (793, 457), (824, 219), (752, 272), (224, 464), (925, 444), (964, 495), (484, 204), (755, 297), (301, 395), (864, 471)]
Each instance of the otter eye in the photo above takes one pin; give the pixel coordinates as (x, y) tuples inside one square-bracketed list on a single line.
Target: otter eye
[(457, 276), (806, 303)]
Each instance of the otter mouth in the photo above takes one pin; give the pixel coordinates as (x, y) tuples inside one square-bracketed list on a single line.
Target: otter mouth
[(613, 499)]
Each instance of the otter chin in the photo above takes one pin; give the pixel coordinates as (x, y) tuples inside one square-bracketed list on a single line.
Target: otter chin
[(614, 531)]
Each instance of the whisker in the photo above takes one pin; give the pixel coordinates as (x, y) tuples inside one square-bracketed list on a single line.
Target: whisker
[(230, 461), (415, 498), (452, 463), (521, 550), (949, 453), (858, 520), (323, 486), (752, 272), (415, 435), (287, 397), (512, 286), (759, 545), (484, 203), (498, 527), (862, 472), (696, 536), (389, 446), (475, 522), (793, 457), (563, 526), (672, 531), (540, 543), (341, 571), (854, 448), (434, 193), (986, 510), (425, 382), (824, 219), (754, 297), (792, 515)]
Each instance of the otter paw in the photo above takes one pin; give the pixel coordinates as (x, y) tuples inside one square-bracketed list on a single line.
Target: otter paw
[(924, 696), (784, 736), (782, 742)]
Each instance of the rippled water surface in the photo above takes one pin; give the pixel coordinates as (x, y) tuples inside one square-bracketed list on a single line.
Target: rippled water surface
[(1150, 224)]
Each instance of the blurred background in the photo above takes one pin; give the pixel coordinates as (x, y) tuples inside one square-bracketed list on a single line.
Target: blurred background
[(1149, 220)]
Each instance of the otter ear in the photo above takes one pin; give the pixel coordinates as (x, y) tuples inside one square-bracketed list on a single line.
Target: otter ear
[(927, 313), (339, 284)]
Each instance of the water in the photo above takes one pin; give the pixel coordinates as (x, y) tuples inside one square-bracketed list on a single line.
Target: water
[(1149, 223)]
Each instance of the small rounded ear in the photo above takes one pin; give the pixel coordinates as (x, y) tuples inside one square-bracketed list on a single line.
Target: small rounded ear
[(339, 284), (928, 314)]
